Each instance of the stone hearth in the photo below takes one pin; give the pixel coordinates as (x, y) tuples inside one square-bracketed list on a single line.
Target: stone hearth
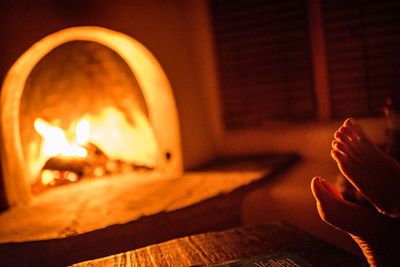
[(201, 200)]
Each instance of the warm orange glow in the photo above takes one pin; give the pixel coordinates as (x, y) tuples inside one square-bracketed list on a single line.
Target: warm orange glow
[(109, 131), (48, 177), (71, 176), (119, 139), (82, 132), (22, 153), (55, 142), (98, 172)]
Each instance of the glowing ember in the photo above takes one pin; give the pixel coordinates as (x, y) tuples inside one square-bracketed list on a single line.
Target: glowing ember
[(99, 171), (48, 177), (71, 176)]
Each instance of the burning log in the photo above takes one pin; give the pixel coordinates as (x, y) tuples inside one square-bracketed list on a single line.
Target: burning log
[(79, 165), (60, 169), (61, 163)]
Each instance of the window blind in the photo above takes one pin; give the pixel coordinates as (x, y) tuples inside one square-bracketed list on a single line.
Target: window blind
[(263, 54), (363, 54)]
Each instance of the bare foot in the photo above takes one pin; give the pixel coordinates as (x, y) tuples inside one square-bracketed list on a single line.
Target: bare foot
[(376, 234), (370, 170)]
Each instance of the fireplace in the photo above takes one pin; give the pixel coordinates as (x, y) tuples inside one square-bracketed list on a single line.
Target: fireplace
[(86, 102), (114, 213)]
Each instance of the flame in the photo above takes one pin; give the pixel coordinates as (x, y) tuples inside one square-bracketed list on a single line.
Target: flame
[(56, 143), (122, 140), (119, 139), (82, 132)]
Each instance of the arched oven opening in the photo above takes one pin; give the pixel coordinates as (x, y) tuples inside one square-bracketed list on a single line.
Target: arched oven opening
[(82, 103)]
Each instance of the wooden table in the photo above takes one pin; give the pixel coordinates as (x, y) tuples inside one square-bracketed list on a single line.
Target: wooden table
[(243, 242)]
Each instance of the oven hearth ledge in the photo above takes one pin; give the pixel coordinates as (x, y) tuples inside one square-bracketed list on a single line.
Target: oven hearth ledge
[(87, 206)]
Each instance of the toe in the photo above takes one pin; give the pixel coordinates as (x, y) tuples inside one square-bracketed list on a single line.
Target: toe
[(348, 122), (350, 134), (338, 156), (340, 146), (356, 128), (349, 217), (342, 137)]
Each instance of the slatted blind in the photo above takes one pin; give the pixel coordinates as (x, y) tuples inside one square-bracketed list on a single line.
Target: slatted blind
[(363, 54), (263, 55)]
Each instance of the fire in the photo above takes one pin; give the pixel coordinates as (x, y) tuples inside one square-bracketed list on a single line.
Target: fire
[(56, 143), (107, 143), (149, 130), (48, 177), (82, 132)]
